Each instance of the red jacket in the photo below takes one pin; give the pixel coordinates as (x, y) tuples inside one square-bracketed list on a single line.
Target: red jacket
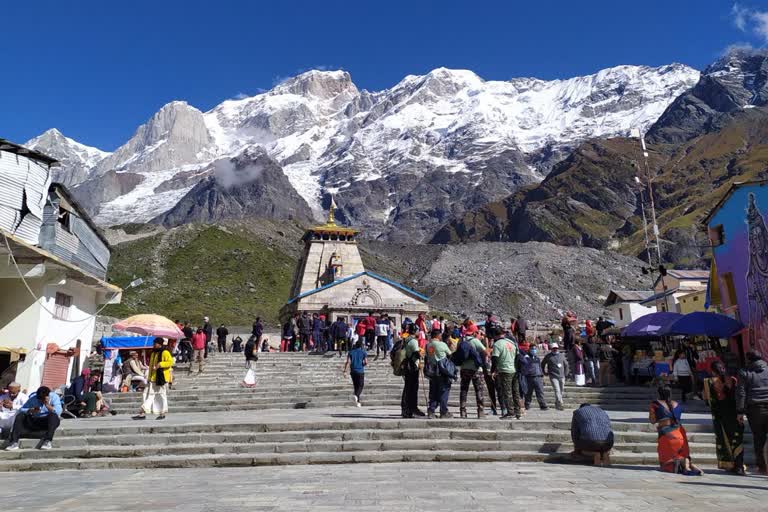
[(198, 341)]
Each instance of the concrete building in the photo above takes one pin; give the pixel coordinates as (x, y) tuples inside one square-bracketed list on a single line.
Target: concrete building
[(625, 305), (331, 279), (675, 284), (738, 231), (53, 264), (694, 301)]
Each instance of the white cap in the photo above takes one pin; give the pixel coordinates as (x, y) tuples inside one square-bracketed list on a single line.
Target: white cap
[(554, 345)]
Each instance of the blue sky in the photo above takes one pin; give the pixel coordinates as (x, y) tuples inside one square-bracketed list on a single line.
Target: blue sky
[(98, 69)]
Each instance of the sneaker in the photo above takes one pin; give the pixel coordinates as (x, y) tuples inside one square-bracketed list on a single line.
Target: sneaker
[(544, 408), (161, 417), (357, 400), (46, 445), (431, 415), (419, 413), (139, 417), (12, 447), (359, 404), (446, 416)]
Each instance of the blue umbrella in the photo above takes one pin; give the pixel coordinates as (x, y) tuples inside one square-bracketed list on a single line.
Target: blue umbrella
[(706, 324), (653, 324)]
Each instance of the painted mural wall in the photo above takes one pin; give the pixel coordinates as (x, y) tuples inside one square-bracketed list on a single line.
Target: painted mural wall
[(744, 255)]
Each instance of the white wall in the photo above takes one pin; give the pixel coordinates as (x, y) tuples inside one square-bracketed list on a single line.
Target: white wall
[(630, 311), (26, 324)]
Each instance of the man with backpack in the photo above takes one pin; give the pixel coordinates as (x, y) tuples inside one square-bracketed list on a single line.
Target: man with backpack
[(339, 334), (470, 357), (305, 331), (439, 383), (405, 362), (503, 367)]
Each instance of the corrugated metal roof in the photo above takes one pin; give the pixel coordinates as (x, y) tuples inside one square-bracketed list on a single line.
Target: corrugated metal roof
[(689, 274), (632, 295)]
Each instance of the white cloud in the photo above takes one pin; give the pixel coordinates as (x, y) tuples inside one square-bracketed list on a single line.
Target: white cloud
[(760, 28), (750, 20), (740, 16)]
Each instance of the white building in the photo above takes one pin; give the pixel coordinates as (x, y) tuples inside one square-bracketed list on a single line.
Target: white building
[(53, 264), (625, 305)]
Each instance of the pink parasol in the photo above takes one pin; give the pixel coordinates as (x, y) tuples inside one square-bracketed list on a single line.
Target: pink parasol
[(149, 325)]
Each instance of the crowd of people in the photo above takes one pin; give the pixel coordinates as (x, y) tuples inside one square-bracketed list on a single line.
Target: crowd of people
[(504, 366)]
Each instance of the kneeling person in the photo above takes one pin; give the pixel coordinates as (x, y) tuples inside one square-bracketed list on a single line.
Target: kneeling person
[(591, 433), (39, 417)]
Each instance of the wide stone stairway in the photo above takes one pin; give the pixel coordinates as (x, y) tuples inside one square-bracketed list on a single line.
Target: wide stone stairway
[(302, 412)]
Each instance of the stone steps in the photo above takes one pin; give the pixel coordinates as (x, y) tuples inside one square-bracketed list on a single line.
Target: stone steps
[(262, 429), (337, 457)]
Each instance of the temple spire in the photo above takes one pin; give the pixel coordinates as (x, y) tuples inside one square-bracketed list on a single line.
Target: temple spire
[(331, 214)]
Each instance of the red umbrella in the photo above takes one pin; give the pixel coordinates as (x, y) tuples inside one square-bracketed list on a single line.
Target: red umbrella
[(149, 325)]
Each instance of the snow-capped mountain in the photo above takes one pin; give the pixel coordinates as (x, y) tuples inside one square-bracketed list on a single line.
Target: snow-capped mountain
[(402, 161), (77, 160)]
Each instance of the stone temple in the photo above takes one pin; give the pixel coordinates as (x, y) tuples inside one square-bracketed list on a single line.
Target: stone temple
[(331, 280)]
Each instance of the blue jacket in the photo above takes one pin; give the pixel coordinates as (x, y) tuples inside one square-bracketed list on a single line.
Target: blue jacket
[(34, 402), (530, 365)]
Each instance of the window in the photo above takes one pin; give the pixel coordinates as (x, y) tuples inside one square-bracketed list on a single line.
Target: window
[(63, 302), (695, 298), (717, 235)]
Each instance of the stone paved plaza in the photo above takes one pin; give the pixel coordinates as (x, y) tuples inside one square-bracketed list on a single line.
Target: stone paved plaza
[(375, 487)]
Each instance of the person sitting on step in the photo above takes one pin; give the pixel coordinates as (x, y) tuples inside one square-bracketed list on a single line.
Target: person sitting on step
[(39, 417), (10, 403), (591, 434)]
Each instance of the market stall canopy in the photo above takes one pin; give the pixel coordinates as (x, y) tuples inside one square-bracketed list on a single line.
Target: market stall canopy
[(653, 324), (149, 325), (701, 323), (126, 342)]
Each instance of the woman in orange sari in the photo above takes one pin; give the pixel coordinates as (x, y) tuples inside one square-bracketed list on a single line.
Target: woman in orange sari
[(672, 447)]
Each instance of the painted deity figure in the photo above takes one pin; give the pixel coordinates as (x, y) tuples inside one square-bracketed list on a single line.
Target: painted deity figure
[(336, 266), (757, 272)]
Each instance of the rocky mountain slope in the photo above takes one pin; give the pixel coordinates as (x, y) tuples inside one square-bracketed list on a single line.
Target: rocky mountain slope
[(402, 161), (707, 139), (237, 270), (77, 160)]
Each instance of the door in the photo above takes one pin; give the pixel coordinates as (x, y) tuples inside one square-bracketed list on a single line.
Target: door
[(55, 370)]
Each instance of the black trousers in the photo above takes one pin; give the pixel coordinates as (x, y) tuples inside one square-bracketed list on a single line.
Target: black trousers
[(222, 344), (207, 341), (381, 344), (491, 385), (358, 381), (304, 337), (409, 403), (24, 425), (758, 423), (534, 384), (370, 338), (686, 384), (185, 346)]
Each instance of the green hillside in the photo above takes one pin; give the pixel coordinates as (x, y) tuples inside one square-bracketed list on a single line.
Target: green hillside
[(228, 274)]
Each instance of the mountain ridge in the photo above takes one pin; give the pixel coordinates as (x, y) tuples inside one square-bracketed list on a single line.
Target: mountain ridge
[(427, 149)]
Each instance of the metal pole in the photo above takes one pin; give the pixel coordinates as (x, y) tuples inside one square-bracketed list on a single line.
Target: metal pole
[(656, 234)]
